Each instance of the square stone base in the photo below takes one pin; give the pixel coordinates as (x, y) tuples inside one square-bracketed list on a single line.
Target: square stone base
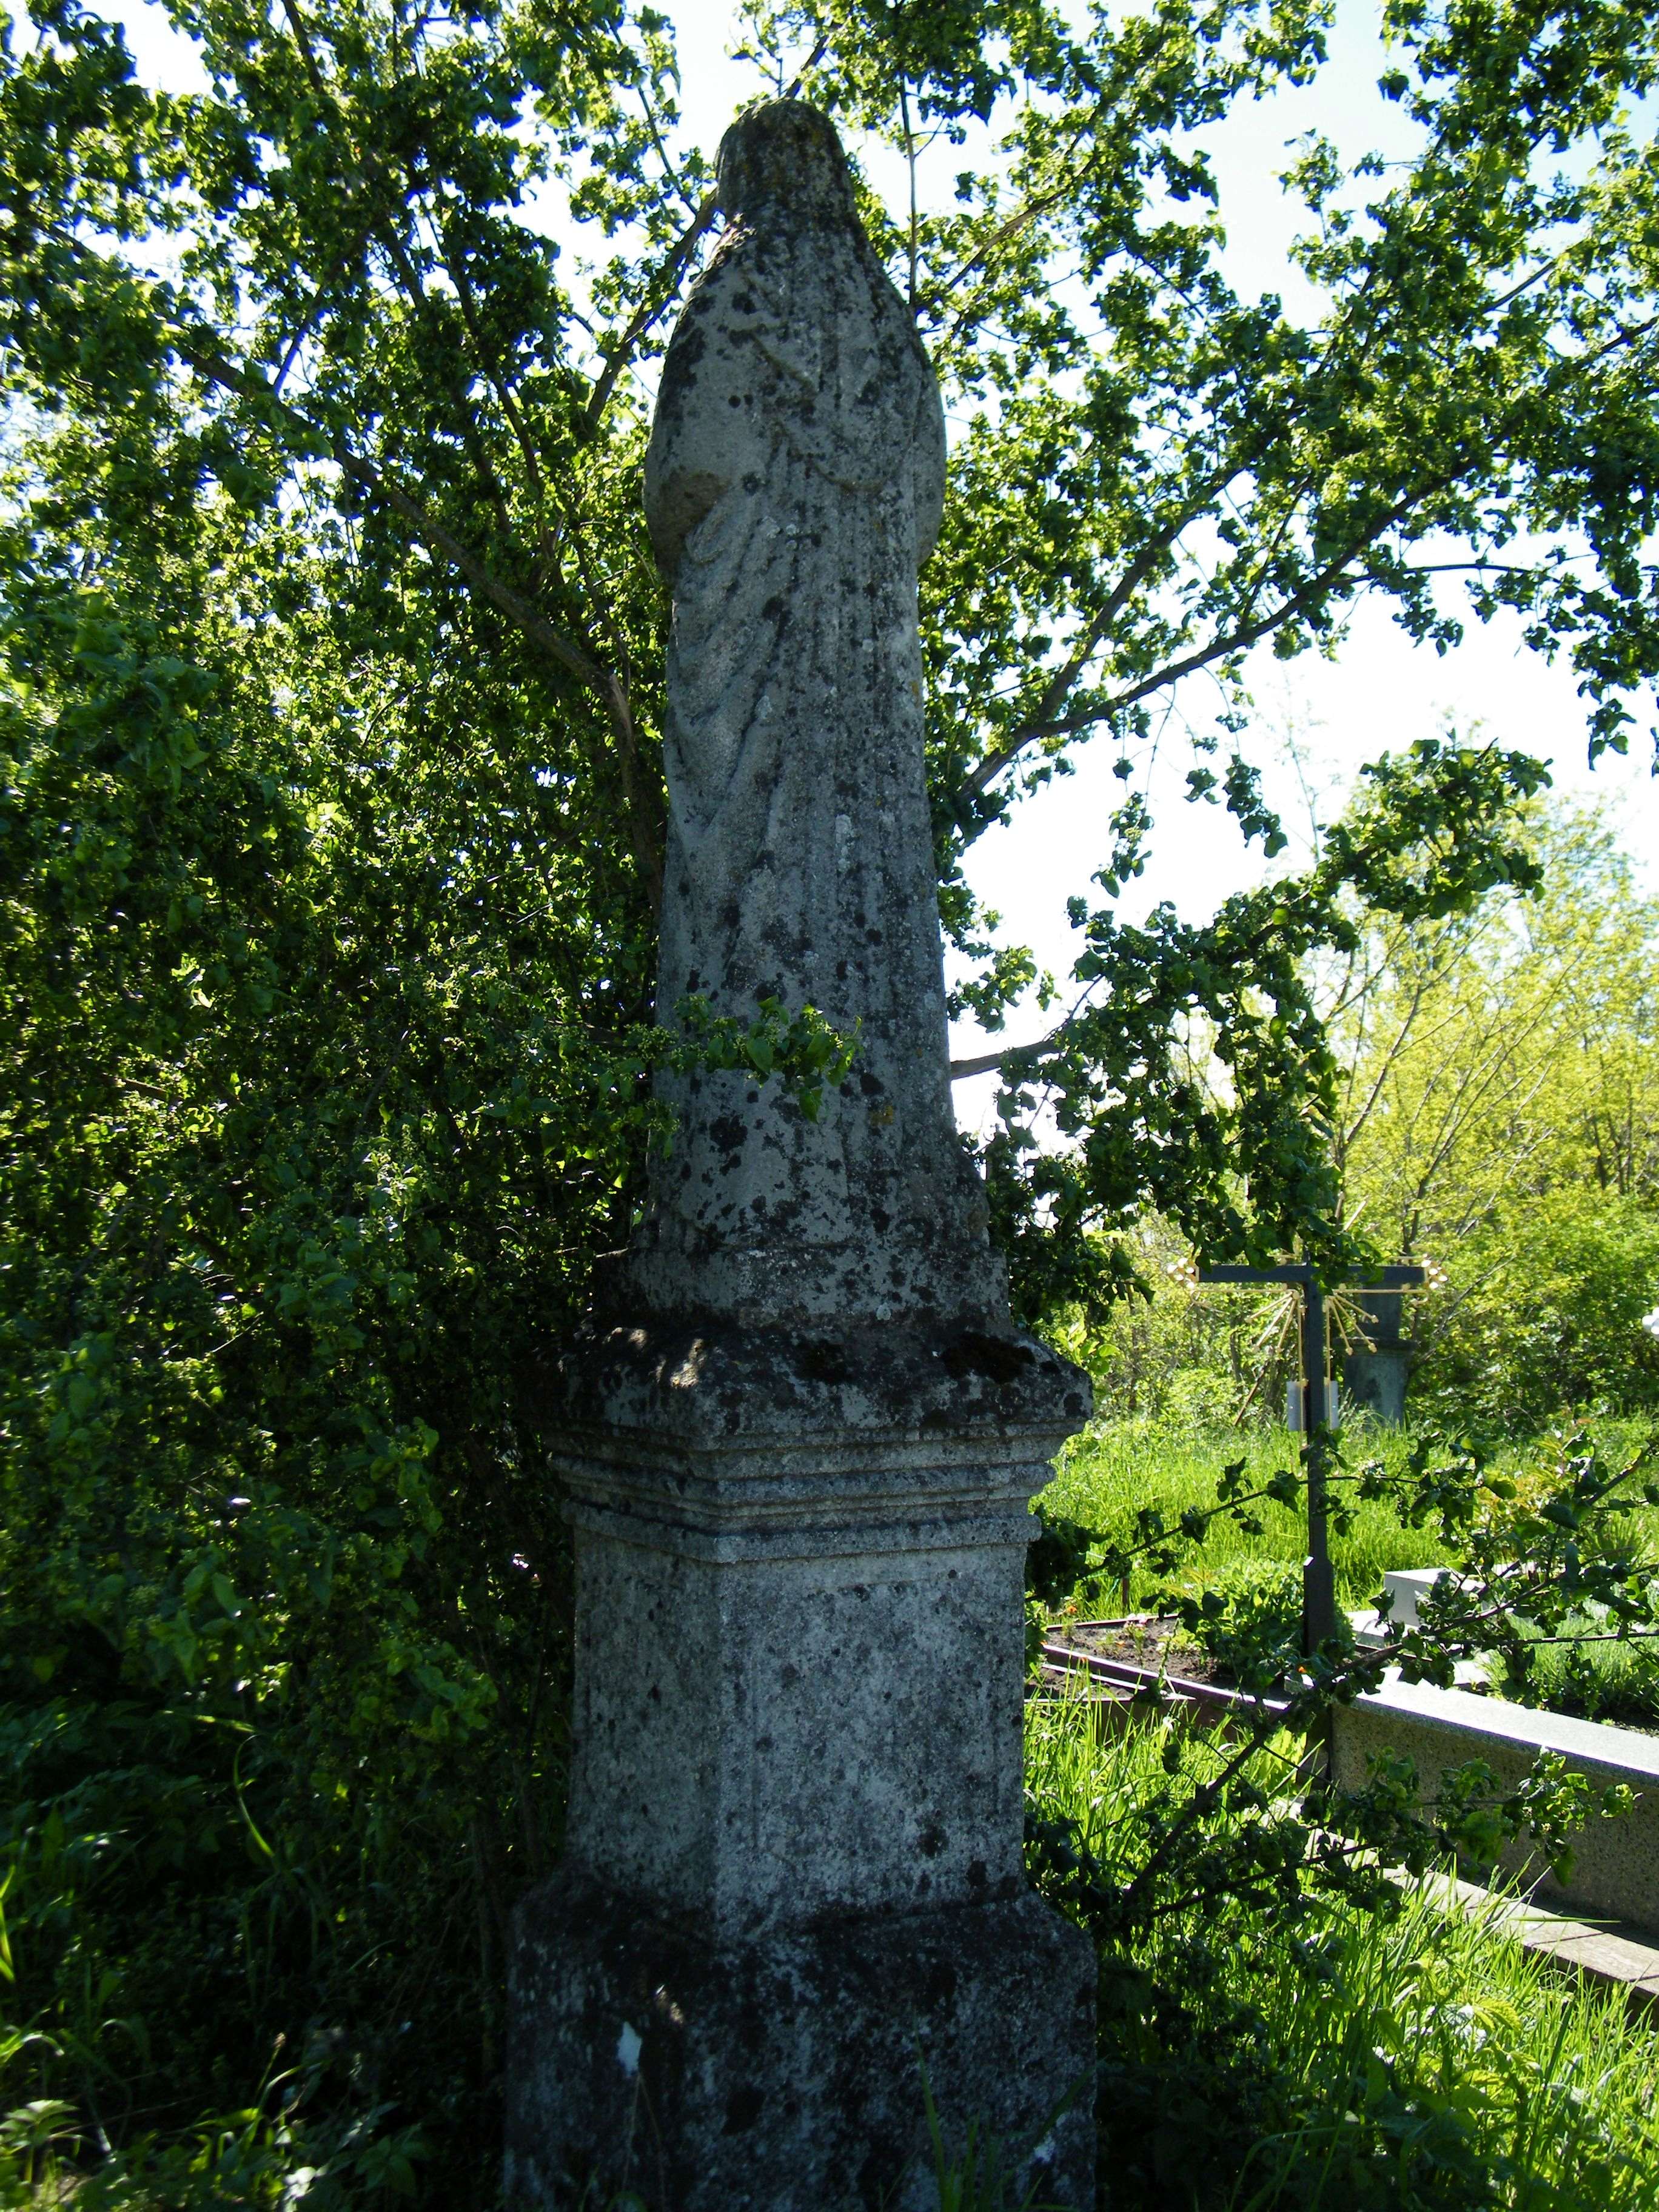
[(784, 2073)]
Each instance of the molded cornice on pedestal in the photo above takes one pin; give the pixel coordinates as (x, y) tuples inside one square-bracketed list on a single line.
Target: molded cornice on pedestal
[(747, 1443)]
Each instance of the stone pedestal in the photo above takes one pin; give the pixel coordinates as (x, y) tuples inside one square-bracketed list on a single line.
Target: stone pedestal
[(792, 1886)]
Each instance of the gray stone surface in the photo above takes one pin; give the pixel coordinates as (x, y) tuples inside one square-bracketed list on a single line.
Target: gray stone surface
[(1375, 1374), (794, 481), (1376, 1381), (784, 2074), (1615, 1869), (800, 1435)]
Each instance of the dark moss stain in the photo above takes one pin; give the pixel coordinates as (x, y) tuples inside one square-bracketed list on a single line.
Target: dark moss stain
[(684, 355), (996, 1358), (742, 2109), (730, 1132), (824, 1363)]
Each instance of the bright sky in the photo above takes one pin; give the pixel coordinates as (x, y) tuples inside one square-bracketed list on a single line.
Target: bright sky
[(1377, 693)]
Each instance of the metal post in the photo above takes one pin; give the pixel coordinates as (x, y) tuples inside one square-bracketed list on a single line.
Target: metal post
[(1318, 1577)]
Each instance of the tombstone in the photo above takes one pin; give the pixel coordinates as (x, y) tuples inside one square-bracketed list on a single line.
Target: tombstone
[(1375, 1373), (801, 1435)]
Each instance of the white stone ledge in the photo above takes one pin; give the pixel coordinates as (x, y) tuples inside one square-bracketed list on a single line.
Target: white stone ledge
[(1611, 1955), (1615, 1871), (1629, 1754)]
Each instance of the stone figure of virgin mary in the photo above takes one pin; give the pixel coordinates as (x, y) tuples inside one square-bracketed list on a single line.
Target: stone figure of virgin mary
[(794, 484)]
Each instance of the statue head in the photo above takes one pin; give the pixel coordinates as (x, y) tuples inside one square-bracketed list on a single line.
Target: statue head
[(784, 158)]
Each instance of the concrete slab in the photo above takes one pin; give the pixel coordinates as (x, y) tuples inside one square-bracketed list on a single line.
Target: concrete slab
[(1371, 1632), (1609, 1954), (1615, 1870), (1409, 1586)]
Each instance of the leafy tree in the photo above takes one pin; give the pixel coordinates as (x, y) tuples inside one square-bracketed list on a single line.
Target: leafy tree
[(1500, 1111), (1496, 1110), (332, 833)]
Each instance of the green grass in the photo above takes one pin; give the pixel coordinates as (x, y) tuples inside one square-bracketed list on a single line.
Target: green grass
[(1422, 2062), (1107, 1474), (1617, 1682), (1104, 1476)]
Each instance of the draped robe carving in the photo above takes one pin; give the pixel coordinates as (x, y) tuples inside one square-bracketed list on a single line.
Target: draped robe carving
[(794, 483)]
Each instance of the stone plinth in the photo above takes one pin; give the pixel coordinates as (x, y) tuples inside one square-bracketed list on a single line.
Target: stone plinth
[(1615, 1864), (782, 2073), (800, 1447), (800, 1677)]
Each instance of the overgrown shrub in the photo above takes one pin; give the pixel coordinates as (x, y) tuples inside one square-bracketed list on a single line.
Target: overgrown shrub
[(291, 1140), (1542, 1313)]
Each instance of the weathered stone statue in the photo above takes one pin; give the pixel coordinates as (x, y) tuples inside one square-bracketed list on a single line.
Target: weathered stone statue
[(794, 486), (800, 1440)]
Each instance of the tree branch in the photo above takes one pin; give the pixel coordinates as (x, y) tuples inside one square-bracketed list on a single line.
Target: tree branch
[(615, 359), (1133, 576), (528, 619), (1238, 640)]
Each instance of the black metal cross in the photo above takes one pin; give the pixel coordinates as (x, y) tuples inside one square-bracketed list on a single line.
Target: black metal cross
[(1318, 1577)]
